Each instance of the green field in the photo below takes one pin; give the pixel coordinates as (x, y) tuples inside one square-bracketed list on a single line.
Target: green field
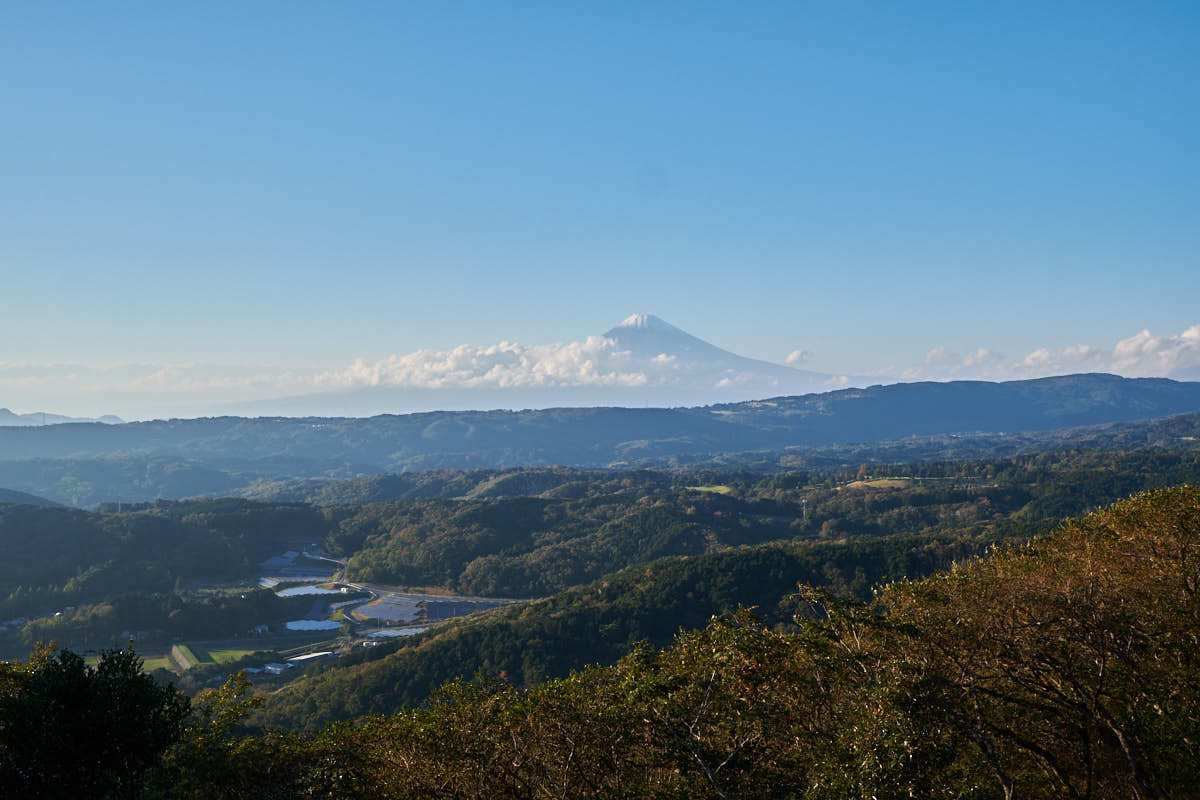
[(157, 662), (225, 655), (184, 657), (187, 656), (198, 654), (715, 489)]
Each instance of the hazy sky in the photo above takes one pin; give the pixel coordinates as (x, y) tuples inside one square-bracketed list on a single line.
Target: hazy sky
[(236, 190)]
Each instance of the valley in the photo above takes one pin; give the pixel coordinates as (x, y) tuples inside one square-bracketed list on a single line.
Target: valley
[(322, 599), (334, 464)]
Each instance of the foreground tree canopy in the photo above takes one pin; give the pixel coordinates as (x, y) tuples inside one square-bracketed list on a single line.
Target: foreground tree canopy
[(70, 730), (1067, 667)]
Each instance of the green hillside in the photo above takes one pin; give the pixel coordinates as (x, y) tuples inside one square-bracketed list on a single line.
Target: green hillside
[(600, 622), (1063, 667)]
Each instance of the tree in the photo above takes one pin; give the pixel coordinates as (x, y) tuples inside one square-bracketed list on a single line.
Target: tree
[(70, 730)]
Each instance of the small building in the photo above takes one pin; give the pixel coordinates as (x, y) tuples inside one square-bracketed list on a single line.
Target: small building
[(275, 668), (309, 658)]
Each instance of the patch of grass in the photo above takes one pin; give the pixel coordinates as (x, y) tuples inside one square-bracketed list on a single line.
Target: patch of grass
[(226, 655), (157, 662), (715, 489), (149, 663)]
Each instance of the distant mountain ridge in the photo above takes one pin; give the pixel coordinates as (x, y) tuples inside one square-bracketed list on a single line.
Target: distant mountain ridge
[(11, 419), (607, 436), (86, 464)]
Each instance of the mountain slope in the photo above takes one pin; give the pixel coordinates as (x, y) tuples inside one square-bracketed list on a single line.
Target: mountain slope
[(24, 498), (1062, 669), (598, 622), (647, 336)]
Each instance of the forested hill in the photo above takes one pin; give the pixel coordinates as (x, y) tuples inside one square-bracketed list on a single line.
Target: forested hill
[(608, 436), (1063, 668), (602, 621)]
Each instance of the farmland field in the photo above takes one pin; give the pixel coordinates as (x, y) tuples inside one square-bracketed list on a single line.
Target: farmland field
[(184, 657), (395, 608), (225, 651), (225, 655), (881, 483), (149, 664)]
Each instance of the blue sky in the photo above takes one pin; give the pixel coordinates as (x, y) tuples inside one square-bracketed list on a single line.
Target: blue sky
[(304, 184)]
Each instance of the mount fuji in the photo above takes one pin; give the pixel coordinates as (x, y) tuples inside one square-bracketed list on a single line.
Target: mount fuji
[(643, 361), (648, 336)]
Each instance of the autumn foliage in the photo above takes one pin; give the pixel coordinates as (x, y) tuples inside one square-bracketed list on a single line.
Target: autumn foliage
[(1066, 667)]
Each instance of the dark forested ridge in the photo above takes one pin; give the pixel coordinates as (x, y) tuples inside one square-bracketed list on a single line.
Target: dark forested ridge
[(101, 563), (210, 456), (1065, 667)]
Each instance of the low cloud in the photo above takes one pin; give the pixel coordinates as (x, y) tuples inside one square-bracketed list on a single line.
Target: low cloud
[(595, 361), (180, 378), (140, 390), (194, 388), (797, 357), (1143, 355)]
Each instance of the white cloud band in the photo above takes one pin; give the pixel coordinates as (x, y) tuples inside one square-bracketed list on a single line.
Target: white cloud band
[(596, 362), (1142, 355)]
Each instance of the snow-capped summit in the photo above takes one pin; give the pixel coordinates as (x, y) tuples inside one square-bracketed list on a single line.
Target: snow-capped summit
[(647, 321), (698, 363), (647, 335)]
